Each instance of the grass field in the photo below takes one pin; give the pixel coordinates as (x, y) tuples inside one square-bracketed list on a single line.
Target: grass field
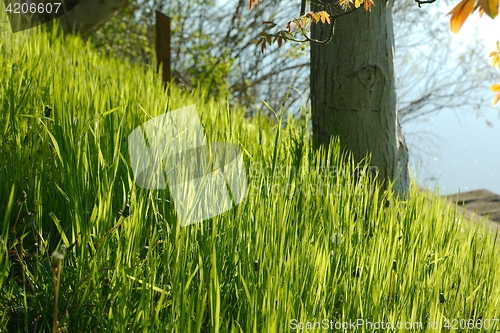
[(310, 243)]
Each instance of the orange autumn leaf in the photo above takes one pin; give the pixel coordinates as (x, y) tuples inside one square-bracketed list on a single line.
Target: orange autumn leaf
[(325, 17), (460, 13), (253, 3), (315, 17), (490, 7), (368, 5)]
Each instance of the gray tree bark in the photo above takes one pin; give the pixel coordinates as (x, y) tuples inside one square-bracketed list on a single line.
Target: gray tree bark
[(353, 91)]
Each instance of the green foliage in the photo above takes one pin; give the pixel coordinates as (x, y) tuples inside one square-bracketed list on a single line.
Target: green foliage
[(196, 58), (315, 238), (119, 38), (213, 46), (207, 70)]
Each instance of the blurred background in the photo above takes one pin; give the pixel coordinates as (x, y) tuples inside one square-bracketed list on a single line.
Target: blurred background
[(466, 141), (443, 80)]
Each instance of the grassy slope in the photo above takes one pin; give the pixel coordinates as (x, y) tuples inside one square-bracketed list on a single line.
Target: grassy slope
[(306, 246)]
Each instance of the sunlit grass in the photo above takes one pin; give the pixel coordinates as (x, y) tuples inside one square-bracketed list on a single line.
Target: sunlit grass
[(314, 239)]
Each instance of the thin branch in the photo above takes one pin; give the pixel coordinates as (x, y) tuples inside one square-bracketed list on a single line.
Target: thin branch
[(329, 39), (421, 2)]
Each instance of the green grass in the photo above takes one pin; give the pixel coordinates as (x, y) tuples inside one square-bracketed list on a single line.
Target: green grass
[(310, 244)]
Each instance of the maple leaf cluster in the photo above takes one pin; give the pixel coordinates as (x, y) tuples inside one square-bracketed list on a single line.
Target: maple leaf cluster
[(297, 25), (302, 24)]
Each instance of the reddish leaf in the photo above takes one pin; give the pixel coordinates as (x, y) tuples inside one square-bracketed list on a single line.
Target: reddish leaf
[(280, 42), (314, 16), (490, 7), (460, 13), (253, 3), (368, 5)]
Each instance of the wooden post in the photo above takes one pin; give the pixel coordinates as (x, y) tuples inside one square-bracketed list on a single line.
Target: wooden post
[(163, 46)]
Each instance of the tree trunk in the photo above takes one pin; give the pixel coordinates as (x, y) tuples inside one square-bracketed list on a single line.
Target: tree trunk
[(353, 92)]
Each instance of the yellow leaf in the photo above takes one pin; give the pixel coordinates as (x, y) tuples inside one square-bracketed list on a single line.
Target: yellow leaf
[(490, 7), (495, 88), (358, 3), (494, 60), (496, 99), (492, 53), (326, 16), (498, 46), (460, 13)]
